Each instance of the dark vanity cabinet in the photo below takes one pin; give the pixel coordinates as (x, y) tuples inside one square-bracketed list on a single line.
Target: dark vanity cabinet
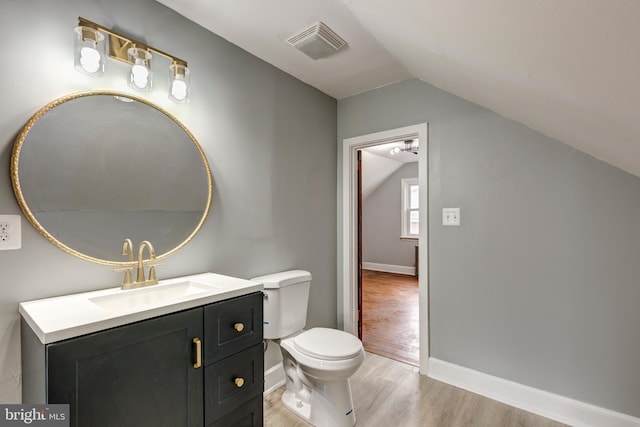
[(153, 373)]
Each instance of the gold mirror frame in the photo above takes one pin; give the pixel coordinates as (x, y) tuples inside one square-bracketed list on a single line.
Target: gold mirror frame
[(17, 189)]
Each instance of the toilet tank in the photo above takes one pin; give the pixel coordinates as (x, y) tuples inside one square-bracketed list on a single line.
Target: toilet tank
[(285, 302)]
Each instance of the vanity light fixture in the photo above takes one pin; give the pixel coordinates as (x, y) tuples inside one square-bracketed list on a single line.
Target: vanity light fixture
[(89, 50), (140, 75), (90, 53), (179, 82)]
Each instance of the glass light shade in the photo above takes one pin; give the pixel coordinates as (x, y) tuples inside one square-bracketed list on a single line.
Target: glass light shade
[(140, 77), (179, 83), (89, 51)]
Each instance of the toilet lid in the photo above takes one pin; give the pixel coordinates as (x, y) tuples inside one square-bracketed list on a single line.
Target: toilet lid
[(328, 344)]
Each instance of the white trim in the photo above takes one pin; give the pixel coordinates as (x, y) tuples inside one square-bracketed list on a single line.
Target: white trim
[(273, 379), (553, 406), (389, 268), (349, 228)]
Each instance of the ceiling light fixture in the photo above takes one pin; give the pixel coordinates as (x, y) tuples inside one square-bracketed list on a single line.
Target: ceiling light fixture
[(410, 145), (317, 41), (90, 53)]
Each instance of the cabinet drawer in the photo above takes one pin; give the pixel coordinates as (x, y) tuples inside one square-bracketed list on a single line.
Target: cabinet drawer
[(231, 326), (232, 382), (247, 415)]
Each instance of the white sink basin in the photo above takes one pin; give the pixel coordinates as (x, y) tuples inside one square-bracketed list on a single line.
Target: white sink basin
[(155, 295), (59, 318)]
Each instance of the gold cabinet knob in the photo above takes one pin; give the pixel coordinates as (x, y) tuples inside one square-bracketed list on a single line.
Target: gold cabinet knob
[(238, 327), (239, 382)]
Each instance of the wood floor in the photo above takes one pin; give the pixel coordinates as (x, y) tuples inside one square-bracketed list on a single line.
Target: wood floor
[(390, 393), (390, 315)]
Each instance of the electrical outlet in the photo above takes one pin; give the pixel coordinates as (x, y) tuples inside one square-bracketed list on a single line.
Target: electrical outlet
[(450, 216), (10, 237)]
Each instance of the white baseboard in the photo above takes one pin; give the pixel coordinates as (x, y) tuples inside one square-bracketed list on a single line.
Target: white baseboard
[(388, 268), (549, 405), (273, 379)]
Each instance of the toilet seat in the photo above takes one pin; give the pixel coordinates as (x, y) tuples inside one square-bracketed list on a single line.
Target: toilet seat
[(327, 344)]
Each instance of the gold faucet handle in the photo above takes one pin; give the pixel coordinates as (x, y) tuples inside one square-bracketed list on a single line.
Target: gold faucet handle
[(127, 274), (152, 272)]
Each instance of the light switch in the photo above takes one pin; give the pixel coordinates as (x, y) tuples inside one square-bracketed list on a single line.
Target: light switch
[(450, 216)]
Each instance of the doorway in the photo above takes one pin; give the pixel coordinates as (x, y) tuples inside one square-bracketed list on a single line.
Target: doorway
[(349, 244), (388, 226)]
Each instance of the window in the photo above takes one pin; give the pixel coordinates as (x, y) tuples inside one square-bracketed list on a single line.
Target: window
[(410, 211)]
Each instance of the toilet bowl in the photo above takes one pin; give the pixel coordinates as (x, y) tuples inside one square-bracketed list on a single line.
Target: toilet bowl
[(317, 362)]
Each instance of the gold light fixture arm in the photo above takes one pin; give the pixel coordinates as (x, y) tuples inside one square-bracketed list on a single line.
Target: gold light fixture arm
[(119, 44)]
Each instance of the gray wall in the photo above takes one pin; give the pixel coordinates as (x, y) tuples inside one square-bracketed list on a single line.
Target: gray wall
[(269, 138), (381, 220), (539, 285)]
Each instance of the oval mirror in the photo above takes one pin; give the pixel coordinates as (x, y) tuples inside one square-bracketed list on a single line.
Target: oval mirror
[(92, 169)]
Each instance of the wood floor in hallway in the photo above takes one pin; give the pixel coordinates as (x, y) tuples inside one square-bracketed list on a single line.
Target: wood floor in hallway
[(387, 393), (390, 315)]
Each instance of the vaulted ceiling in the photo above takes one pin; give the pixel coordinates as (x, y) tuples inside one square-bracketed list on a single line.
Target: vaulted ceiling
[(566, 68)]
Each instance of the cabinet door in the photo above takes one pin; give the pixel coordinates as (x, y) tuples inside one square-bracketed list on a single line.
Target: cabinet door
[(136, 375), (232, 326)]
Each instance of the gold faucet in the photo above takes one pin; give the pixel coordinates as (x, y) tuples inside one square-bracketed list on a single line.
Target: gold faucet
[(127, 249), (152, 280)]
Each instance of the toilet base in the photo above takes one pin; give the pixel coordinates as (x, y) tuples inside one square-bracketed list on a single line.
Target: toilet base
[(330, 405)]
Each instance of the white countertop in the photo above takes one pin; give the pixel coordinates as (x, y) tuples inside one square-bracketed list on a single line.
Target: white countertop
[(59, 318)]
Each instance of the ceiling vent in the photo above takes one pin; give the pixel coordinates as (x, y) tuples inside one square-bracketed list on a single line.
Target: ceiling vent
[(317, 41)]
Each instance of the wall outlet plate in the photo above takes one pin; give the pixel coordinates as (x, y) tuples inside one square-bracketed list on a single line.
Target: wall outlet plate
[(10, 235), (450, 216)]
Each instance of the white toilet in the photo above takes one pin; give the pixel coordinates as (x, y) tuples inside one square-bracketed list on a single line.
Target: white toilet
[(317, 362)]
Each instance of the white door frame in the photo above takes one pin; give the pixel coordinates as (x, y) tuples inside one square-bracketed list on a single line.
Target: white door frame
[(349, 228)]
